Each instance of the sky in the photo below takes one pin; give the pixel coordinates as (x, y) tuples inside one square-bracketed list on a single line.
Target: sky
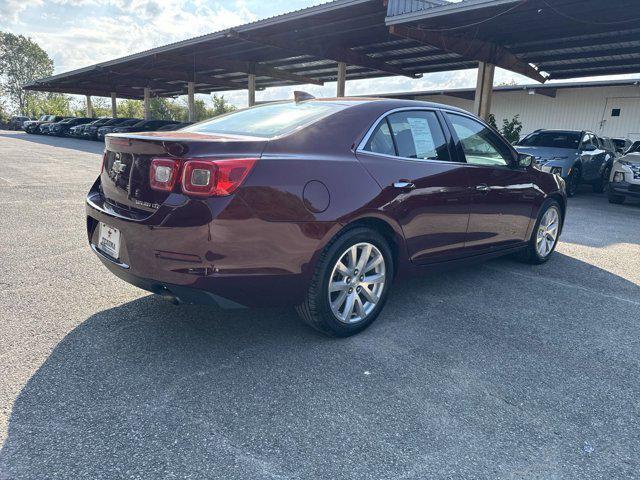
[(78, 33)]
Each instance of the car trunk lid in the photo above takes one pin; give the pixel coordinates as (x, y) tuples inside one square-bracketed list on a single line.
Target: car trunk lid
[(127, 160)]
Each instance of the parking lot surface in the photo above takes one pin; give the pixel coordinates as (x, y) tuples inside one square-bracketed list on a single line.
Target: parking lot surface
[(501, 370)]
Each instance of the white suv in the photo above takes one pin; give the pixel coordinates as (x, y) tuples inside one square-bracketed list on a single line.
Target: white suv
[(625, 175)]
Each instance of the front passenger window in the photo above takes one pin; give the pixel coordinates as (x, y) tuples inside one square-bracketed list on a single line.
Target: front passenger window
[(481, 146)]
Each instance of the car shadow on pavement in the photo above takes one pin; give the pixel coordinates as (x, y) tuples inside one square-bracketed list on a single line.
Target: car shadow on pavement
[(88, 146), (485, 371)]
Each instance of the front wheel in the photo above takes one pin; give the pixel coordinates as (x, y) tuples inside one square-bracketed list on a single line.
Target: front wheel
[(350, 284), (545, 235), (573, 180)]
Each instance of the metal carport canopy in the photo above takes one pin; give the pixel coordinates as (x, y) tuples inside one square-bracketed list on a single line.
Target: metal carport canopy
[(564, 38), (295, 48), (561, 38)]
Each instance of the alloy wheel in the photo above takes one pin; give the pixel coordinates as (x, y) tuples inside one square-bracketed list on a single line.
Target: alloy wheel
[(357, 282), (547, 234)]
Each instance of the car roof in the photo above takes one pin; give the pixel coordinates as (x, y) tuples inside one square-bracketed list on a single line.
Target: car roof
[(554, 130), (389, 103)]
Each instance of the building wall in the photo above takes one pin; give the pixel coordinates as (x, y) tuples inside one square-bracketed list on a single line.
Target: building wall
[(573, 108)]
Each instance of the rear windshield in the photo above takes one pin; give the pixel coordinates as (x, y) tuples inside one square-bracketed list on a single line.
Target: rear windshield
[(552, 139), (268, 120)]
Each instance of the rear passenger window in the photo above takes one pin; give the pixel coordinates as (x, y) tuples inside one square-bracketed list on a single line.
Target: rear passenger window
[(381, 141), (418, 134)]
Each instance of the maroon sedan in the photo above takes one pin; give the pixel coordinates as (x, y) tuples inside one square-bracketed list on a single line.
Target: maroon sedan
[(318, 204)]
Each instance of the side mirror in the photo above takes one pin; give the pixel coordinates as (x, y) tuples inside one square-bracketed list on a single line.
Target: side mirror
[(525, 160), (589, 148)]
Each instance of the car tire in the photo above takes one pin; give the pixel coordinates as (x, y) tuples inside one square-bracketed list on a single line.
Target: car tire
[(600, 185), (316, 309), (617, 199), (532, 254), (573, 180)]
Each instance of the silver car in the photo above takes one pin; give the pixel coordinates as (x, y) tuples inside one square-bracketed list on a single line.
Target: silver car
[(625, 176), (577, 156)]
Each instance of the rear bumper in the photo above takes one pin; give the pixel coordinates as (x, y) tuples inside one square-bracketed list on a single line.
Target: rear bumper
[(201, 253), (182, 293)]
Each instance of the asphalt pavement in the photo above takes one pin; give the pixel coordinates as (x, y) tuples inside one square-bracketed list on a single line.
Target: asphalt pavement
[(500, 371)]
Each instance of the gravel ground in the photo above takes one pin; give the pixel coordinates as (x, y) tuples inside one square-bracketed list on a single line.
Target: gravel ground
[(502, 370)]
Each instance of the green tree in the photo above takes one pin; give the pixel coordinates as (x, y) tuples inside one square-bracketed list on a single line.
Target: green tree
[(220, 105), (130, 108), (511, 129), (49, 104), (21, 61)]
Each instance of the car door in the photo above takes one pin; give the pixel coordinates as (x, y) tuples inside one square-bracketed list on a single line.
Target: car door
[(592, 156), (502, 194), (425, 189)]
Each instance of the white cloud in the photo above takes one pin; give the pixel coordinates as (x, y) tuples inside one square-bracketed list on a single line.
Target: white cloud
[(10, 10)]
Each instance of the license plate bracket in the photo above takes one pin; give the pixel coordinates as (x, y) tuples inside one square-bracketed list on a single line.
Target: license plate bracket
[(109, 240)]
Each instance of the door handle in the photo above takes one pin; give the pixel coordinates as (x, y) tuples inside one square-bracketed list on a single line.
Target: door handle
[(404, 185), (483, 187)]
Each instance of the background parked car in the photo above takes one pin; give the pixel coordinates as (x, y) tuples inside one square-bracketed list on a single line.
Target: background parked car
[(109, 127), (577, 156), (90, 130), (635, 147), (35, 127), (144, 126), (622, 144), (29, 124), (15, 123), (625, 176), (62, 128), (175, 126)]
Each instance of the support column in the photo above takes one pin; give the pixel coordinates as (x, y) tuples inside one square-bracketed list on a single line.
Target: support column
[(342, 79), (89, 107), (191, 100), (484, 90), (251, 82), (147, 98), (114, 105)]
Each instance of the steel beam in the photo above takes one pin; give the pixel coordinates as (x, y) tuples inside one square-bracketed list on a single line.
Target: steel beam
[(338, 54), (89, 106), (114, 105), (342, 79), (484, 90), (470, 48), (146, 104)]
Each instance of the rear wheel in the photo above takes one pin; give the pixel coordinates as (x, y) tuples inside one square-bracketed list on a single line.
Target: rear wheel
[(350, 284), (545, 235), (573, 180)]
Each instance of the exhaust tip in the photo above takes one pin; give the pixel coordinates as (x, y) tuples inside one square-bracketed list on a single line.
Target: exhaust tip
[(166, 295)]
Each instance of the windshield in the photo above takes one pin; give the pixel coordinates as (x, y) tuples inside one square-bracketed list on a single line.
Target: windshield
[(552, 139), (267, 120)]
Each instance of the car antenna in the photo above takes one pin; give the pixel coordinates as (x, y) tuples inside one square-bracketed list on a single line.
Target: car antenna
[(300, 96)]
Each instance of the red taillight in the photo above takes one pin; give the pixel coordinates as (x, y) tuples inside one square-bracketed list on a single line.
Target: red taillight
[(163, 173), (206, 178)]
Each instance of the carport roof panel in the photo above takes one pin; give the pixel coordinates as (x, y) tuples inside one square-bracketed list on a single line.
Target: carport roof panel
[(564, 38), (309, 35), (305, 46)]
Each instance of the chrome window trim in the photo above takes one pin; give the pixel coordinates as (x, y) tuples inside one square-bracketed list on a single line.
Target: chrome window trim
[(365, 139)]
